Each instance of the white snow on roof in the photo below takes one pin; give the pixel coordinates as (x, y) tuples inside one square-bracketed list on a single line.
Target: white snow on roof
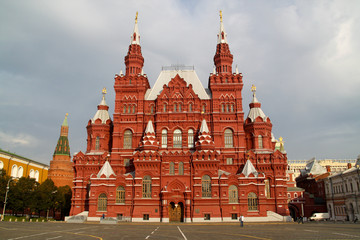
[(106, 170), (249, 168), (165, 77)]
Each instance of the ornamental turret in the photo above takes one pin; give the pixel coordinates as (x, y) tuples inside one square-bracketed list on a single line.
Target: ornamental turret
[(257, 127), (99, 129), (204, 140), (149, 140), (223, 58), (134, 60)]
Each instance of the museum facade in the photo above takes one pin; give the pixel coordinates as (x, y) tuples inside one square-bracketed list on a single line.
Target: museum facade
[(179, 152)]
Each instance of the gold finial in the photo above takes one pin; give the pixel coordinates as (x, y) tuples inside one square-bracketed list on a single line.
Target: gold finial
[(281, 140), (104, 91), (253, 88), (136, 17), (66, 115), (220, 16)]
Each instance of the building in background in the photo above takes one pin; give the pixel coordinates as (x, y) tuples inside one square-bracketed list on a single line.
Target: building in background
[(296, 196), (343, 193), (18, 166), (61, 170), (178, 151), (336, 165), (311, 180)]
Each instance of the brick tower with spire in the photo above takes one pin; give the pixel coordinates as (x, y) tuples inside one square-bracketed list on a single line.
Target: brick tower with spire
[(179, 152), (61, 168)]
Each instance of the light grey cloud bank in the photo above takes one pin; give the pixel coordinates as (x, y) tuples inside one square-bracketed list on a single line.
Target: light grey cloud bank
[(303, 56)]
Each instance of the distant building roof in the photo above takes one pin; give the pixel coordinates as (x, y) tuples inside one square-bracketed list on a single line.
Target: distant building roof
[(10, 154)]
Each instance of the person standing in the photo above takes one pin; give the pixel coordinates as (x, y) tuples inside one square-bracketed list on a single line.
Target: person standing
[(241, 219)]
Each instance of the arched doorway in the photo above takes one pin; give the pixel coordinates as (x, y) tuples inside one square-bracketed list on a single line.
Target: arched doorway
[(176, 212)]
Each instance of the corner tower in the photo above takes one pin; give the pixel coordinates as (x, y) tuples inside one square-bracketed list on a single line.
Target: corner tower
[(227, 112), (61, 170)]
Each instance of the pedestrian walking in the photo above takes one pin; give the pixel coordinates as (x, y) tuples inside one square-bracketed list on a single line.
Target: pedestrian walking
[(241, 219)]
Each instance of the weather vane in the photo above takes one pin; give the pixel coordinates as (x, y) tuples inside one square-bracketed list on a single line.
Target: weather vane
[(104, 91), (136, 17), (220, 15)]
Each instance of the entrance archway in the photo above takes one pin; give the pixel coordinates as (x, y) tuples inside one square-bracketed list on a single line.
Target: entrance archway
[(176, 212)]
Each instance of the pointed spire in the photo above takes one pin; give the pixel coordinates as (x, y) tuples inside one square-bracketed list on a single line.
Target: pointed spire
[(222, 34), (149, 140), (204, 128), (135, 38), (62, 147), (134, 60), (223, 58), (214, 70), (149, 128), (249, 168), (106, 170), (121, 72), (236, 70), (204, 139), (65, 122), (102, 112)]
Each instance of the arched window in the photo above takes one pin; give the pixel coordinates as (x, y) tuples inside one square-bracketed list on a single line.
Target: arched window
[(120, 194), (133, 109), (124, 110), (129, 109), (181, 168), (267, 188), (295, 195), (190, 107), (164, 138), (20, 172), (232, 107), (177, 139), (252, 202), (146, 187), (32, 173), (190, 138), (37, 175), (152, 109), (128, 139), (175, 107), (260, 141), (204, 108), (180, 107), (14, 171), (228, 138), (206, 186), (227, 108), (165, 107), (102, 202), (222, 108), (233, 194), (97, 143), (172, 168)]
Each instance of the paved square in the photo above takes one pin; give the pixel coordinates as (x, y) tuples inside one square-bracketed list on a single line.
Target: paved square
[(91, 231)]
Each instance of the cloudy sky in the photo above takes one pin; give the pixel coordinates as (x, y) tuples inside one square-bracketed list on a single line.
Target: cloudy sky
[(303, 56)]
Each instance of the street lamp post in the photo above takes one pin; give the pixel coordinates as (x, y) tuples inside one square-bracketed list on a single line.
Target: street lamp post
[(7, 190)]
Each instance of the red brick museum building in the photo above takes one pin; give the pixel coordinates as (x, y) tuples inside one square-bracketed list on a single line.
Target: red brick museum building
[(179, 152)]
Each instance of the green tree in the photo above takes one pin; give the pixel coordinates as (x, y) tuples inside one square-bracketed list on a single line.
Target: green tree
[(43, 197), (63, 200), (3, 184), (21, 194)]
